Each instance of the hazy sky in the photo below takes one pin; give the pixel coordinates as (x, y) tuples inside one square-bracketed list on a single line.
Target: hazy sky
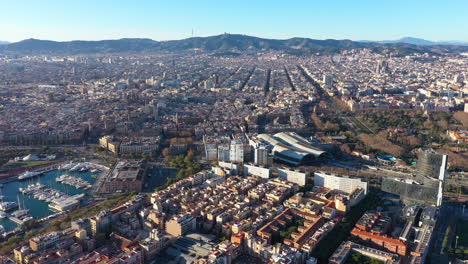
[(175, 19)]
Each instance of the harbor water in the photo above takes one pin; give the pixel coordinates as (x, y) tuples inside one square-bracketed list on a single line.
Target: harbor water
[(38, 208)]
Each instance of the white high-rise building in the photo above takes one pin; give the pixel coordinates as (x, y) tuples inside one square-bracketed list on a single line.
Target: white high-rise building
[(261, 155), (236, 153), (297, 177), (338, 182), (223, 152), (211, 152), (432, 171), (458, 79), (261, 172), (327, 80), (208, 84)]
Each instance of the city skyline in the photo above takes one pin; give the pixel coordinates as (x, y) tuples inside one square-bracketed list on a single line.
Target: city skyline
[(359, 20), (260, 132)]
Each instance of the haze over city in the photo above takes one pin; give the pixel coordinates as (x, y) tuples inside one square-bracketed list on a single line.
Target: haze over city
[(169, 20)]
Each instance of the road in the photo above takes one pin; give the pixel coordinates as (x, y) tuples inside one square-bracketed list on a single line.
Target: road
[(346, 116)]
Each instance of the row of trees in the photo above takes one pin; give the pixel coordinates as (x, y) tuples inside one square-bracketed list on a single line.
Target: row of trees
[(427, 128), (395, 118), (330, 242), (329, 125), (460, 189)]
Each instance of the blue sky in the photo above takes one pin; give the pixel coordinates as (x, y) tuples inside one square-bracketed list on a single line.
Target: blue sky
[(174, 19)]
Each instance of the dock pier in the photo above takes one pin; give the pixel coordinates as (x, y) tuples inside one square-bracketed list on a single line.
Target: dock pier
[(14, 219)]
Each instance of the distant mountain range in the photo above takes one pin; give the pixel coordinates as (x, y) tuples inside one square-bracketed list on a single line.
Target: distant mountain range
[(4, 42), (419, 41), (219, 43)]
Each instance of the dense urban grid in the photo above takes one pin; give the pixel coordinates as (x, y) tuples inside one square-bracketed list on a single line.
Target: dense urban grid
[(259, 156)]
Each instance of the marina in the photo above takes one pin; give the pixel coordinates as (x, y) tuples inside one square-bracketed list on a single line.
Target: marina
[(17, 220), (73, 181), (57, 200), (41, 192), (82, 167), (42, 204)]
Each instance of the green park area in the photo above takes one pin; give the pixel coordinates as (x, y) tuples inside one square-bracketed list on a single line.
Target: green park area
[(184, 164), (357, 258), (332, 240), (459, 246)]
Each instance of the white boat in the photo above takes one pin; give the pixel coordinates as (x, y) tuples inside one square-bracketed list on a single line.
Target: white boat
[(5, 206), (20, 213), (66, 166), (29, 218), (61, 178), (28, 174), (77, 167), (3, 215)]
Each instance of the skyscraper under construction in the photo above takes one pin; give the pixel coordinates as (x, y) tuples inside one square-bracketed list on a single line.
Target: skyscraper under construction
[(431, 167), (429, 184)]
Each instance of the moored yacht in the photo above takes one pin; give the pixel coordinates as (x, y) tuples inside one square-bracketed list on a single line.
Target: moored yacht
[(66, 166), (3, 215), (28, 174), (6, 206), (20, 213)]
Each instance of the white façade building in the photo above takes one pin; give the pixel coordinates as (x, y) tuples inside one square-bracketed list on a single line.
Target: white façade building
[(339, 182), (297, 177), (259, 171)]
